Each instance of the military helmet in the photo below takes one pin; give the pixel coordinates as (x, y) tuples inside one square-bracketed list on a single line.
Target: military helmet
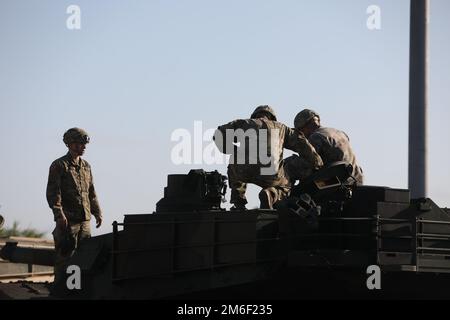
[(76, 135), (304, 117), (264, 109)]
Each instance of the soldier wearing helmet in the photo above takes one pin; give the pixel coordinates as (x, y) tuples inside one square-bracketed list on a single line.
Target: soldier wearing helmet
[(332, 145), (71, 196), (256, 148)]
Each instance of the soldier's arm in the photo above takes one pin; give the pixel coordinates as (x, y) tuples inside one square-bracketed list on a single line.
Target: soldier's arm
[(54, 190), (95, 207), (297, 142)]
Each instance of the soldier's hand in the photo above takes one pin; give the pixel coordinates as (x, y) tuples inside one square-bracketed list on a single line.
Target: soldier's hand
[(98, 221), (61, 222)]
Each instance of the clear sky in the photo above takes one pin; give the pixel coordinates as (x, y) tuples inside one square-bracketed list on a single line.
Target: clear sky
[(138, 70)]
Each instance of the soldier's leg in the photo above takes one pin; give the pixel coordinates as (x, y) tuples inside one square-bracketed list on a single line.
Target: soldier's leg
[(238, 188), (60, 259), (75, 229), (80, 231), (266, 199)]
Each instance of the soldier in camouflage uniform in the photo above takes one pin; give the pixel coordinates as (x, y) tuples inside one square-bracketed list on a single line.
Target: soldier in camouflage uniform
[(332, 145), (72, 198), (246, 164)]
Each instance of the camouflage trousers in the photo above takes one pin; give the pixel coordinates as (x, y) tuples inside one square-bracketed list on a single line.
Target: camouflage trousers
[(297, 168), (79, 231), (275, 188)]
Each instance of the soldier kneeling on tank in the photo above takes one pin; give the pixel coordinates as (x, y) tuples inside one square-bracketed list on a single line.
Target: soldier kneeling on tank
[(332, 145), (256, 148)]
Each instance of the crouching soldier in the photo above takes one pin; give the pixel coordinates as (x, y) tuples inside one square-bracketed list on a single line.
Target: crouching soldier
[(256, 148), (332, 145)]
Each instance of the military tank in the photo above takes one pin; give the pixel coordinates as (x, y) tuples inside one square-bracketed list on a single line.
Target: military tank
[(318, 243)]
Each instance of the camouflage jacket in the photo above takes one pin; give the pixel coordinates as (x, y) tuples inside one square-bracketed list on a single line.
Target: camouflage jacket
[(334, 145), (70, 190), (264, 154)]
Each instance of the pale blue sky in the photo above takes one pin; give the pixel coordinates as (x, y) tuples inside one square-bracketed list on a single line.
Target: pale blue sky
[(137, 70)]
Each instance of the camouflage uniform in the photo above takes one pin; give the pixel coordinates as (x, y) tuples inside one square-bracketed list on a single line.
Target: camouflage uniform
[(71, 192), (332, 145), (275, 184)]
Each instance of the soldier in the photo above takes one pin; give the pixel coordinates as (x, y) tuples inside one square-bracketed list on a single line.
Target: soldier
[(331, 144), (72, 198), (260, 161)]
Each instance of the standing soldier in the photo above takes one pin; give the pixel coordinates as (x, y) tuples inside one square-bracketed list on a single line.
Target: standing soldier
[(72, 198), (332, 145), (259, 157)]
